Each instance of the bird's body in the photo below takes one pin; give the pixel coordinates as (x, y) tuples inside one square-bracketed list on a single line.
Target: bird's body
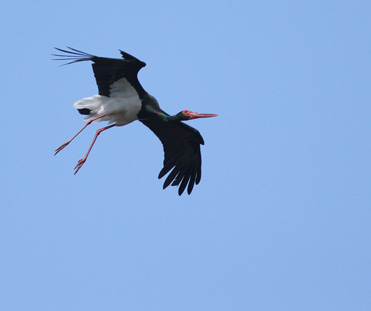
[(121, 107), (122, 100)]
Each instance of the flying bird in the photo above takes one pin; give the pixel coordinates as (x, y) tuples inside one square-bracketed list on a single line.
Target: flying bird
[(122, 100)]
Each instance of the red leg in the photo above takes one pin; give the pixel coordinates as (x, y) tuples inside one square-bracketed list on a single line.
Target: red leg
[(87, 123), (82, 161)]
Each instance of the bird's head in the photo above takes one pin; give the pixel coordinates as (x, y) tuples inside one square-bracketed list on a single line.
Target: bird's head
[(189, 115)]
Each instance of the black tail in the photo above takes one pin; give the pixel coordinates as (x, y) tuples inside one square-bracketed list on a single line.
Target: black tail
[(84, 111)]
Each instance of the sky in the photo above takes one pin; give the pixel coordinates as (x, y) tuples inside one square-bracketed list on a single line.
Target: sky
[(281, 218)]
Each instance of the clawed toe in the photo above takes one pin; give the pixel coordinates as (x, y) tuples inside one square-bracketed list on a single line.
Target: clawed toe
[(79, 165), (61, 148)]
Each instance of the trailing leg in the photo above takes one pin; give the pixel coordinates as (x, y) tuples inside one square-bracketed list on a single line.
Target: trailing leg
[(83, 160), (67, 142)]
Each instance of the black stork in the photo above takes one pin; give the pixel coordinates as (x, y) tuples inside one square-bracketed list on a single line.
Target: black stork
[(122, 100)]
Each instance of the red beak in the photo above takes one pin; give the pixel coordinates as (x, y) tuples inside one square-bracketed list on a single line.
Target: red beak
[(196, 115)]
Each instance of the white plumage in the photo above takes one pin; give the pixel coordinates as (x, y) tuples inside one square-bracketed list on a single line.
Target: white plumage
[(121, 108)]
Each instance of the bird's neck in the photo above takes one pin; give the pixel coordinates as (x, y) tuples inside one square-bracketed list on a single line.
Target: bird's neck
[(166, 118), (157, 111)]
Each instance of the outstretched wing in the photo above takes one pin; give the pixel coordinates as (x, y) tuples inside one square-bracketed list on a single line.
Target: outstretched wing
[(182, 152), (108, 70)]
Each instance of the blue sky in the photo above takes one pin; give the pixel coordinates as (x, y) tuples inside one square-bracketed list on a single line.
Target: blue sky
[(281, 218)]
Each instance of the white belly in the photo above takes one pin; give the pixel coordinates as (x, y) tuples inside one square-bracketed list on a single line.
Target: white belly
[(122, 107)]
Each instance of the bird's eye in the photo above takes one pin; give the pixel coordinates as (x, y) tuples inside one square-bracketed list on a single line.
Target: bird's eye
[(187, 112)]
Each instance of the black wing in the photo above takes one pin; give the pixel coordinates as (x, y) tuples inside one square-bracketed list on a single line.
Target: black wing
[(182, 152), (108, 70)]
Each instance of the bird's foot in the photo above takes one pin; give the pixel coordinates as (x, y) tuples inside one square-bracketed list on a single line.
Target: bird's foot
[(79, 165), (61, 147)]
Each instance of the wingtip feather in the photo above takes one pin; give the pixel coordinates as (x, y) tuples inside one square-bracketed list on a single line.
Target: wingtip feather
[(73, 56)]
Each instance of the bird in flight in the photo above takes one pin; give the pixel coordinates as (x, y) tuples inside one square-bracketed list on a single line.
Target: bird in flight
[(122, 100)]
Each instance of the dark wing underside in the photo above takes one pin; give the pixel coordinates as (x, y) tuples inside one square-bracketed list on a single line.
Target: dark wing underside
[(182, 153), (108, 70)]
